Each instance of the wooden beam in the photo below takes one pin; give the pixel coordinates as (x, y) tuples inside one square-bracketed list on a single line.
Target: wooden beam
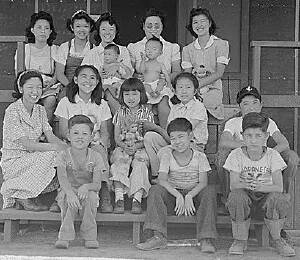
[(275, 44), (281, 101), (12, 38), (256, 67)]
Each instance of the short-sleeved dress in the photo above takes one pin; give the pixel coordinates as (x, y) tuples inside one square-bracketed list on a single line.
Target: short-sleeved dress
[(139, 162), (26, 174), (215, 51)]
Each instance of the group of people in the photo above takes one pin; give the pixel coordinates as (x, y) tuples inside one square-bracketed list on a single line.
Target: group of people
[(157, 100)]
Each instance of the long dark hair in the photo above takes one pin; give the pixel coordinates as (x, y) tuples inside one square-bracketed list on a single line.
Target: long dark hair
[(198, 11), (133, 84), (81, 14), (41, 15), (105, 17), (175, 100), (21, 79), (73, 89)]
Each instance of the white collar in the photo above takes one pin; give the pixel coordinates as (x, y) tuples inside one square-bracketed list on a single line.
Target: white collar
[(208, 44), (78, 99)]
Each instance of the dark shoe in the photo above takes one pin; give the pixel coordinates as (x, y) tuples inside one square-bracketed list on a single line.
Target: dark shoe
[(28, 204), (136, 207), (54, 207), (105, 201), (91, 244), (62, 244), (238, 247), (154, 242), (207, 246), (119, 207), (283, 248), (40, 204)]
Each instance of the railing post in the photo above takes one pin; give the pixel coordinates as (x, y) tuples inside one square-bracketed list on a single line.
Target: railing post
[(21, 57), (256, 67)]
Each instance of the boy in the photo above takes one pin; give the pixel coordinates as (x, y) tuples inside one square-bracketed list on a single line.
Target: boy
[(249, 100), (151, 68), (112, 70), (256, 186), (182, 189), (79, 171)]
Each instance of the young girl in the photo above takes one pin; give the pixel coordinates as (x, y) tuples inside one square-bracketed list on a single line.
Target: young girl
[(40, 54), (186, 105), (84, 97), (207, 58), (130, 147), (71, 53), (79, 172), (27, 164)]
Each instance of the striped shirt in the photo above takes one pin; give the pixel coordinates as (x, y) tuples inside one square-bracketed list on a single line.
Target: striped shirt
[(183, 177)]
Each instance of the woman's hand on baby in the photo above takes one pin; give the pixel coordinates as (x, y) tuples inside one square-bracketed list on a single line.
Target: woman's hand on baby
[(73, 201), (189, 205), (179, 207), (83, 192)]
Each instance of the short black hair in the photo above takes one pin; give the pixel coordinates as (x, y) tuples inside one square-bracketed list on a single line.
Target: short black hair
[(80, 120), (105, 17), (155, 39), (179, 124), (113, 47), (255, 120), (41, 15), (133, 84), (81, 14), (153, 12), (198, 11)]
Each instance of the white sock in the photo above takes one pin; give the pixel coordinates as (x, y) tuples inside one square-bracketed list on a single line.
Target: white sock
[(138, 195), (119, 194)]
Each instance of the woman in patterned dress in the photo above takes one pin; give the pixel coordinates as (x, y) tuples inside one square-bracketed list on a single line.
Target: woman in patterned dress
[(28, 164)]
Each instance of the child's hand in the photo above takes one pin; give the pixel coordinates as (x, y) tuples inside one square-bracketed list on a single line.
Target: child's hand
[(189, 205), (83, 192), (179, 208), (73, 201)]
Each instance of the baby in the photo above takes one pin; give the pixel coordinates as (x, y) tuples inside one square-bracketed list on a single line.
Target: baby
[(113, 70), (151, 69)]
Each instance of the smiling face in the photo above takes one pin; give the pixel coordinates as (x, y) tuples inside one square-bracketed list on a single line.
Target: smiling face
[(41, 30), (80, 136), (81, 29), (250, 104), (132, 98), (200, 25), (31, 91), (255, 138), (110, 56), (152, 27), (107, 32), (153, 49), (180, 140), (184, 90), (86, 81)]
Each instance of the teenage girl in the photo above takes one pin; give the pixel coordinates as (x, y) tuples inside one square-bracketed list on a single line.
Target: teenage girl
[(71, 53), (130, 149), (84, 97)]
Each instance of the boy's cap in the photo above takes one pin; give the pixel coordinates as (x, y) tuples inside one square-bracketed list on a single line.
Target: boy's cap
[(247, 91), (255, 120)]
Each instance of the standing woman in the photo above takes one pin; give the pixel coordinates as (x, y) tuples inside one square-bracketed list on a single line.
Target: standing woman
[(71, 53), (28, 165), (153, 24), (40, 55), (206, 57), (107, 31)]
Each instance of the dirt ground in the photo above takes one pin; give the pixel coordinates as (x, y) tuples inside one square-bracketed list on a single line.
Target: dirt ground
[(115, 243)]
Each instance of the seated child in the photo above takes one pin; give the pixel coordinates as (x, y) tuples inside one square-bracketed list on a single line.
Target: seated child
[(256, 186), (130, 149), (79, 171), (113, 71), (182, 189), (151, 69)]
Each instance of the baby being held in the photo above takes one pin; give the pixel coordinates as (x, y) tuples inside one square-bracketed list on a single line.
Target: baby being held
[(151, 69), (113, 70)]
